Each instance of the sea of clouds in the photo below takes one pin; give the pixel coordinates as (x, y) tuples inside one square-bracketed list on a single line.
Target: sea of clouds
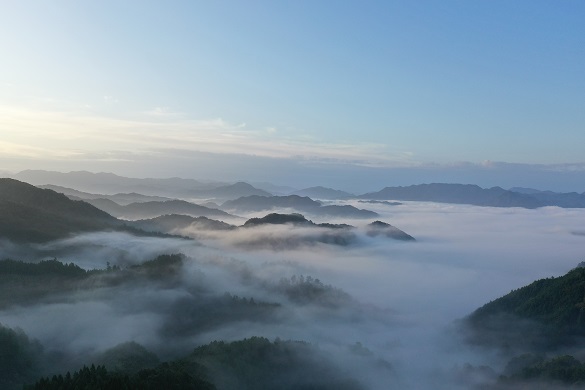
[(404, 297)]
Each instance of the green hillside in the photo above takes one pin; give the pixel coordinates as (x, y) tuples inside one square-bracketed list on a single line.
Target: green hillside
[(545, 314)]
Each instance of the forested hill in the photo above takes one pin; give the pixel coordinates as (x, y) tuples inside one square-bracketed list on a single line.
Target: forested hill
[(31, 214), (545, 314), (249, 364), (293, 219)]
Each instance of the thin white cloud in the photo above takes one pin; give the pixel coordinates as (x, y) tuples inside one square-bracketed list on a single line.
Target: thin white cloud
[(163, 112), (111, 99), (25, 151), (81, 132)]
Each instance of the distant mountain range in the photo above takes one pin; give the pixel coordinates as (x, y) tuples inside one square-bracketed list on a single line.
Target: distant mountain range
[(113, 184), (475, 195), (324, 193), (300, 203), (274, 189), (31, 214), (549, 198), (232, 191), (384, 202), (124, 190), (120, 198), (153, 209), (138, 206)]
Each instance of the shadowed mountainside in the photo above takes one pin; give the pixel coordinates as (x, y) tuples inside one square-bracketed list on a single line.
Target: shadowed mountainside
[(546, 314), (539, 325), (31, 214)]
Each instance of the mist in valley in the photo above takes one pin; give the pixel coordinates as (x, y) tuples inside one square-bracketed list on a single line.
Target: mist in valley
[(382, 312)]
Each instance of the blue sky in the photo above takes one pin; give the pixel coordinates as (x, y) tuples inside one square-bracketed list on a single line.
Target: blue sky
[(347, 85)]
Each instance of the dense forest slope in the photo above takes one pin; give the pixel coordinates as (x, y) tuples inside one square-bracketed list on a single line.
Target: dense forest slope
[(253, 363), (539, 325), (545, 314)]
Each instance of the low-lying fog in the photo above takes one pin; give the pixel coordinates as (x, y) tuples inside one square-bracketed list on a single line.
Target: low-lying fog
[(403, 296)]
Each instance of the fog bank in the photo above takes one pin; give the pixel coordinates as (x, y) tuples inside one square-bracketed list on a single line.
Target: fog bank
[(398, 300)]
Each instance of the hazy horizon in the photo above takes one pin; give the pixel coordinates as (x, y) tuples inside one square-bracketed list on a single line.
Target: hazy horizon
[(544, 178), (338, 94)]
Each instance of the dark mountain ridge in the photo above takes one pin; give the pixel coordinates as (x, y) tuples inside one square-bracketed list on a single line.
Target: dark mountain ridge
[(540, 326), (294, 219), (28, 213)]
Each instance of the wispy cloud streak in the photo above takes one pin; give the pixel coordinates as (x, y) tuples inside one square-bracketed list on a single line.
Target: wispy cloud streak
[(81, 132)]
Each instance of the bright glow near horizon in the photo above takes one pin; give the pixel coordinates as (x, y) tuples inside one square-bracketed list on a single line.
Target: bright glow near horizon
[(378, 85)]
